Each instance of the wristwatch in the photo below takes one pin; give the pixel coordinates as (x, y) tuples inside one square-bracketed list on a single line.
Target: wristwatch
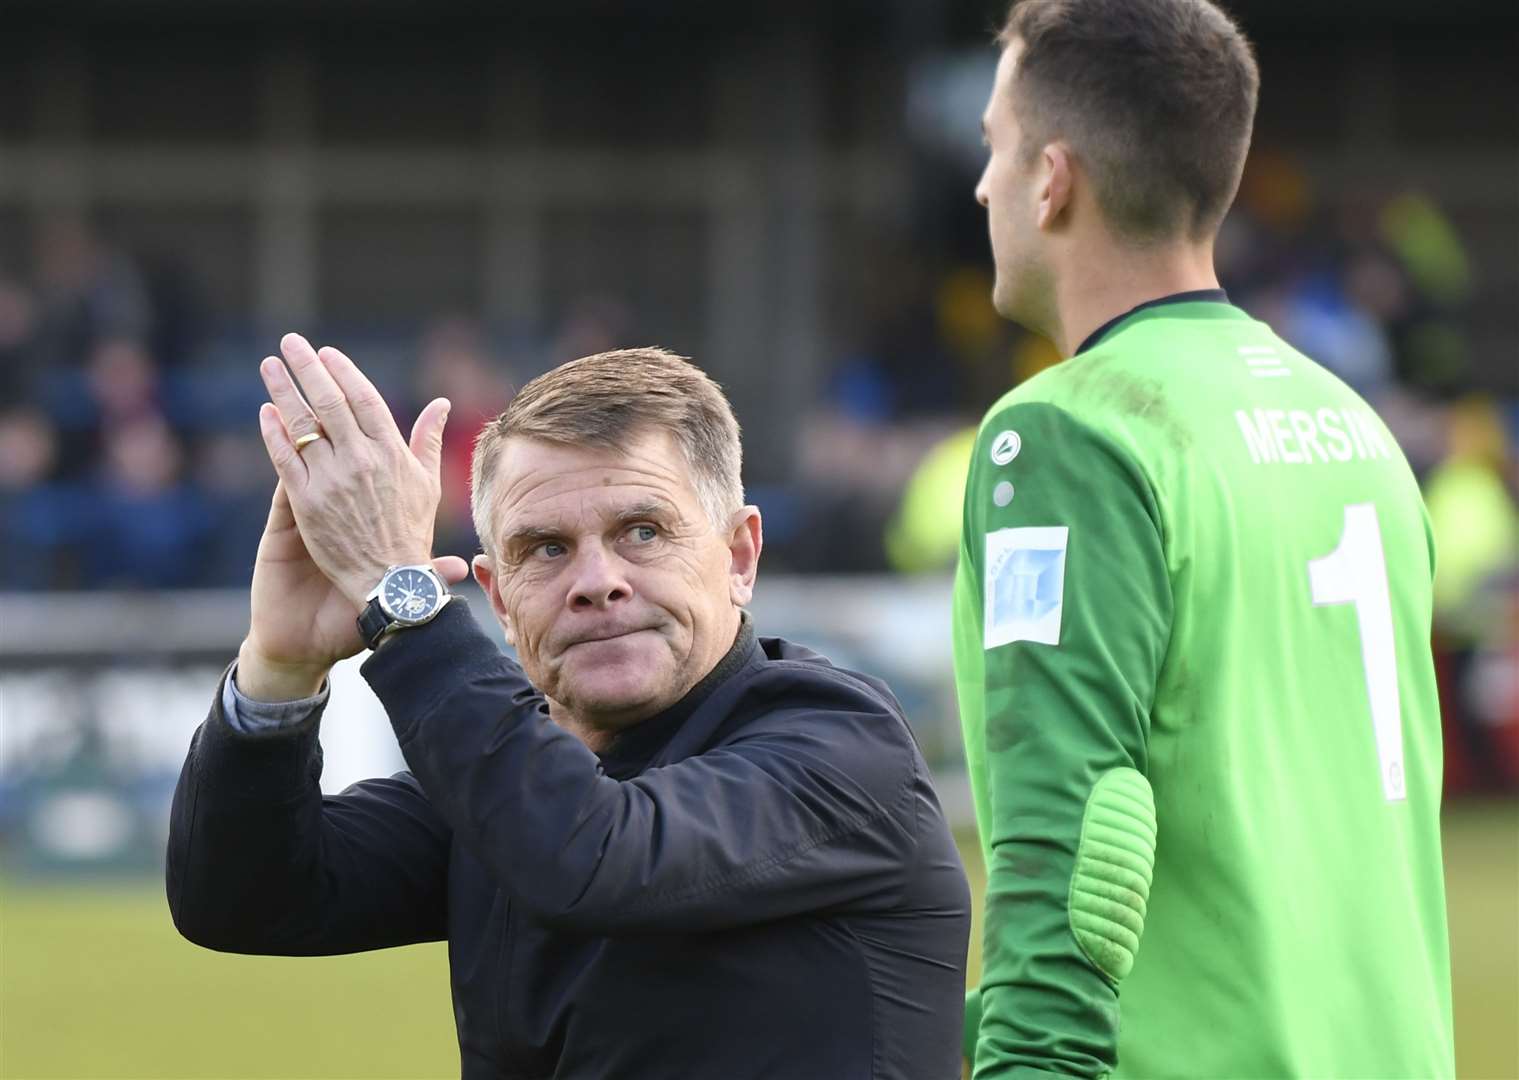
[(406, 596)]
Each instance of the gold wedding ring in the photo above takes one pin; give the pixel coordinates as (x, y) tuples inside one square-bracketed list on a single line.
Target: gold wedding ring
[(307, 439)]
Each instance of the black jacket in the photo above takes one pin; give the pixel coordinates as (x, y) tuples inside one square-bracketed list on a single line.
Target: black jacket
[(758, 882)]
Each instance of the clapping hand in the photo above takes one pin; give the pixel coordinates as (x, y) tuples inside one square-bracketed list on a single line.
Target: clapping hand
[(348, 505)]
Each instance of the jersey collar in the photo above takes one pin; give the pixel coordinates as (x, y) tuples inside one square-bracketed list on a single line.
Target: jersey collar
[(1195, 296)]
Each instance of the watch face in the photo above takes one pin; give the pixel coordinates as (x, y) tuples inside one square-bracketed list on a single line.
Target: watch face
[(410, 595)]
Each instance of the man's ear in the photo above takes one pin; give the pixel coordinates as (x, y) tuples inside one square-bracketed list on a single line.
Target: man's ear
[(744, 544), (1055, 187), (485, 574)]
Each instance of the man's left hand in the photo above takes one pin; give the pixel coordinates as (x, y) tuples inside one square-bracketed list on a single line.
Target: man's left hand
[(363, 498)]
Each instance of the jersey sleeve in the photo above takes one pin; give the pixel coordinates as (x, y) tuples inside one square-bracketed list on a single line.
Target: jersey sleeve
[(1064, 551)]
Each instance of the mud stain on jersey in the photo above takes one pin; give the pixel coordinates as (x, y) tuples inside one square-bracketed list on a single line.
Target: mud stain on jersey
[(1132, 395)]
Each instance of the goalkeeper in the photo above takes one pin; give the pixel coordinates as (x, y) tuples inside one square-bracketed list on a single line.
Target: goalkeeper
[(1191, 616)]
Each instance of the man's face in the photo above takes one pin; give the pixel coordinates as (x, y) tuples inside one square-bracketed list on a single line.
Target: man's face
[(610, 579), (1007, 190)]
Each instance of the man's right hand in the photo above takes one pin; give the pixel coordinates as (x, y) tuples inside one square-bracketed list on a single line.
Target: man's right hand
[(301, 623)]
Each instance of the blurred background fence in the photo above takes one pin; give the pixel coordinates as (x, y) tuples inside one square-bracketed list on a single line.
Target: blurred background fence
[(102, 691), (462, 199)]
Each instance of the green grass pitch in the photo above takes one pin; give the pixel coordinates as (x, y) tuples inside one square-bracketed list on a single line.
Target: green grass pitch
[(94, 982)]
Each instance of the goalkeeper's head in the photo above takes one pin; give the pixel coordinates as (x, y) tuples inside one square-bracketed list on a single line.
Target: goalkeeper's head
[(1123, 122)]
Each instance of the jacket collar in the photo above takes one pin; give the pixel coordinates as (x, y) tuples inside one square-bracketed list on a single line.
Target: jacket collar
[(632, 750)]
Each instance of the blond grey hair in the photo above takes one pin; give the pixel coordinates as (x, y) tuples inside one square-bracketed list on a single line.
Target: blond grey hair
[(603, 401)]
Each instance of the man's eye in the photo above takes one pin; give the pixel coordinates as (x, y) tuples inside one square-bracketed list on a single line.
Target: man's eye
[(551, 549), (643, 534)]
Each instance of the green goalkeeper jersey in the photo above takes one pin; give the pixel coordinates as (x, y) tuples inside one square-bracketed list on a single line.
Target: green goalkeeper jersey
[(1192, 655)]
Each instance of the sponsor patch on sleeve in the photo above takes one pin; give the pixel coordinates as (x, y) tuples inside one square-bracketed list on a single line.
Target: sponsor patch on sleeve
[(1025, 584)]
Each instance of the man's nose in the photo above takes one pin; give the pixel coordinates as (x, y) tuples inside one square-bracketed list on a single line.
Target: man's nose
[(981, 190), (599, 580)]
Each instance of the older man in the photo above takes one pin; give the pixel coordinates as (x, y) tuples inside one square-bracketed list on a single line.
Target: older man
[(659, 847)]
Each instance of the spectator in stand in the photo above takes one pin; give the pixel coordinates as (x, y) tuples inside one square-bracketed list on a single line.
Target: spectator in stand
[(456, 363), (1475, 518), (593, 324), (1491, 688), (231, 471), (147, 527), (89, 292), (34, 515), (117, 386), (18, 319)]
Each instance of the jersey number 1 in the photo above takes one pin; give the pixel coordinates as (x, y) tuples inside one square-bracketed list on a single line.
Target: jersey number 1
[(1355, 572)]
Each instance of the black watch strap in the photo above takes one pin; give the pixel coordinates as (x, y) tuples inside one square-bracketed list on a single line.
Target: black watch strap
[(373, 622)]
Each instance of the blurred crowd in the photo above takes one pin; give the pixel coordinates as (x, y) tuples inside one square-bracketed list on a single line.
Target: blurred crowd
[(130, 460), (108, 475), (1377, 288), (129, 454)]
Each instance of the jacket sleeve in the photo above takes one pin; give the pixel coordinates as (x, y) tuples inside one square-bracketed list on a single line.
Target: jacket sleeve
[(1065, 572), (259, 861), (816, 809)]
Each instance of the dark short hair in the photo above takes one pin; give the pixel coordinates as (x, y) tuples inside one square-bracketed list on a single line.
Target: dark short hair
[(605, 400), (1155, 98)]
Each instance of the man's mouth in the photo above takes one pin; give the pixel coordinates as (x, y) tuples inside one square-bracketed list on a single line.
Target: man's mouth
[(612, 635)]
